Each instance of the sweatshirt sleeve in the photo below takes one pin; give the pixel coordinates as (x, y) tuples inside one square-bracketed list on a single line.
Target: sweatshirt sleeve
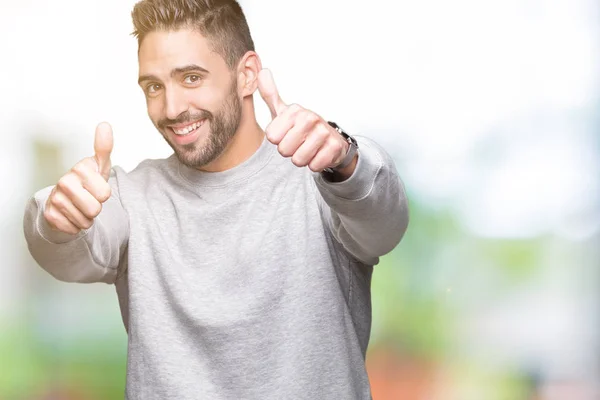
[(368, 212), (93, 255)]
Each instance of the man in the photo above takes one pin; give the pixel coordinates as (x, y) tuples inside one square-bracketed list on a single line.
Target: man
[(242, 262)]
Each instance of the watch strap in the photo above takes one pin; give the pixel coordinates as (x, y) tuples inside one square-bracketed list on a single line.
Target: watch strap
[(352, 148)]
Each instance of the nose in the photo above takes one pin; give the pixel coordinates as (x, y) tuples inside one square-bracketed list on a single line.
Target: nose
[(175, 103)]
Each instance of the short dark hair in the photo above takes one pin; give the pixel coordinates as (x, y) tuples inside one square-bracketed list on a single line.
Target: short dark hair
[(221, 22)]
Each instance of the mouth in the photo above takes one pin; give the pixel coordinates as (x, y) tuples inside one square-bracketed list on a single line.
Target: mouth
[(184, 130), (187, 133)]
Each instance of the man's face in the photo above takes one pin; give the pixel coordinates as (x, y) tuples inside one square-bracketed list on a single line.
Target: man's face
[(191, 94)]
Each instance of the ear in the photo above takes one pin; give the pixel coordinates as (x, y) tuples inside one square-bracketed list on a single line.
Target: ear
[(248, 69)]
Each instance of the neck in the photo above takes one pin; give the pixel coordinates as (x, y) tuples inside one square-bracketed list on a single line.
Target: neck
[(244, 143)]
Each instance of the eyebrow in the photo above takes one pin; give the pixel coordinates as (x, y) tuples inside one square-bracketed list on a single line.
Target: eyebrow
[(175, 71)]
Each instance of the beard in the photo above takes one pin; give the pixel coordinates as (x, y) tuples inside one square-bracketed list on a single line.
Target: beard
[(223, 125)]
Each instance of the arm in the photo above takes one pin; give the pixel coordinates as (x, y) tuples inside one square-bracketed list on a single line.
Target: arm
[(92, 255), (78, 230), (366, 208), (367, 212)]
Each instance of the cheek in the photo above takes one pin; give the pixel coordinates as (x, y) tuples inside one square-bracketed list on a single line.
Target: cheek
[(207, 99), (154, 110)]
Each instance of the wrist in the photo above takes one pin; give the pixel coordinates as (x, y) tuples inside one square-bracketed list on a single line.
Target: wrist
[(341, 174), (350, 151), (346, 165)]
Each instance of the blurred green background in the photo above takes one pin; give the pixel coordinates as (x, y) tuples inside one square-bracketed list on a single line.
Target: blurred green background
[(491, 111)]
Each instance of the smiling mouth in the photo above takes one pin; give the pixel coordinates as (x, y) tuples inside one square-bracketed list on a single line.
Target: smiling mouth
[(188, 129)]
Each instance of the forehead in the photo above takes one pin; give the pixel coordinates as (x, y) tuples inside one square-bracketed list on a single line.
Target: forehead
[(162, 51)]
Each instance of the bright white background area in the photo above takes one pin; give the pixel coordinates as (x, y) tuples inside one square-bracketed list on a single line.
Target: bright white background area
[(433, 80)]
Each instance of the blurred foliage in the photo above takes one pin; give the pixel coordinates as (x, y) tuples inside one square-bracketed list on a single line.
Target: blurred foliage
[(407, 309), (421, 290), (94, 370)]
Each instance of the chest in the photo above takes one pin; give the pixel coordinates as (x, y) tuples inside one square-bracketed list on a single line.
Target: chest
[(224, 239), (237, 253)]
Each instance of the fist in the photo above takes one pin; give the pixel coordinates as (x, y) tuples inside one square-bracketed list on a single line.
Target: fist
[(77, 198), (300, 133)]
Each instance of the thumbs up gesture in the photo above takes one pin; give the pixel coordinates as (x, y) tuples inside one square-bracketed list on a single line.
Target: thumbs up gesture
[(77, 198), (300, 133)]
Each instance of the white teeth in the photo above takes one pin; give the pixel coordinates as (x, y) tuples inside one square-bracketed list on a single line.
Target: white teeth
[(189, 129)]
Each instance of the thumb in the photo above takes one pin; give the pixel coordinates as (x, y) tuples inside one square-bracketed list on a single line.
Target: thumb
[(269, 93), (103, 145)]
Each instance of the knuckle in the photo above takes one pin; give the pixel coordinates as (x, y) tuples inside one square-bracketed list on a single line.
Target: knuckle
[(314, 167), (56, 221), (269, 132), (294, 108), (84, 168), (49, 216), (273, 134), (334, 144), (323, 131), (63, 183), (70, 229), (284, 150), (86, 165), (312, 118), (104, 193), (337, 146), (298, 161), (303, 115), (93, 209), (79, 168), (57, 202), (90, 209)]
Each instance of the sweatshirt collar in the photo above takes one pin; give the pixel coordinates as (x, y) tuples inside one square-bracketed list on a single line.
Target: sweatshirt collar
[(241, 172)]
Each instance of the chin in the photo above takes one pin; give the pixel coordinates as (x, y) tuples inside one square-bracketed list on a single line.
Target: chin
[(197, 154)]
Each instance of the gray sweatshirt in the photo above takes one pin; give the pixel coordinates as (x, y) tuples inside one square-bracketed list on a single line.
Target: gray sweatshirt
[(252, 283)]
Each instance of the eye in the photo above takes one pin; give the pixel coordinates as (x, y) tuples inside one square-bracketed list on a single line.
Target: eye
[(153, 88), (191, 79)]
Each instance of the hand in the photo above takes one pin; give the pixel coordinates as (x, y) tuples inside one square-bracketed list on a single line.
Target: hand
[(300, 133), (77, 198)]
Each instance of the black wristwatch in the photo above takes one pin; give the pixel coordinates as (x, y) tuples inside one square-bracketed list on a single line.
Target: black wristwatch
[(352, 149)]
